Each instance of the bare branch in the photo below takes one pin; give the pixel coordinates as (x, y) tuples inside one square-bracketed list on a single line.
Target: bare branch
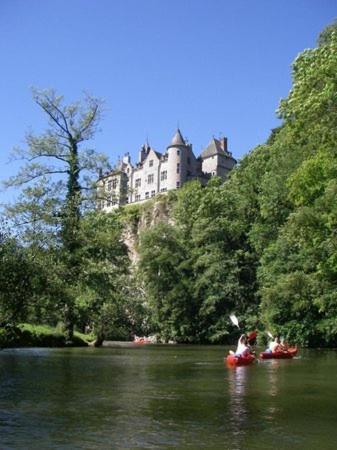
[(26, 177), (46, 155), (52, 104)]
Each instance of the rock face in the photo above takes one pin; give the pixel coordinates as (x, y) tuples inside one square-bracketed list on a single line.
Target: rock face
[(143, 217)]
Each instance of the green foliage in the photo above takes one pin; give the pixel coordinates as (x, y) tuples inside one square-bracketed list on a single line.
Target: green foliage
[(55, 179), (19, 275), (165, 275), (262, 244), (199, 269), (27, 335), (108, 298), (297, 273)]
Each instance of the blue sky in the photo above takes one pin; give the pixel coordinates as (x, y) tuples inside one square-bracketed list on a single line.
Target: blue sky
[(213, 66)]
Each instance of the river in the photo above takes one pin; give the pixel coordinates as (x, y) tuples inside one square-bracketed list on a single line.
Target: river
[(171, 397)]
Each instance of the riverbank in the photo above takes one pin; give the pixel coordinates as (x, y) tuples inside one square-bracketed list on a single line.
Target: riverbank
[(26, 335)]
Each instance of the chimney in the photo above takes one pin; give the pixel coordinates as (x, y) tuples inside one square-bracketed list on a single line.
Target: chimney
[(223, 144), (142, 154), (126, 158)]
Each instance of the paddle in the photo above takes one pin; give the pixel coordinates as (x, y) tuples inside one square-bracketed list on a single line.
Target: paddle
[(234, 320)]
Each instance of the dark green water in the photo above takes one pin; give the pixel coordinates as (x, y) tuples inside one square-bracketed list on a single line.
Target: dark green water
[(165, 397)]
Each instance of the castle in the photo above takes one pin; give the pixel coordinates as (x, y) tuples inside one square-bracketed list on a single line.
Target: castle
[(160, 172)]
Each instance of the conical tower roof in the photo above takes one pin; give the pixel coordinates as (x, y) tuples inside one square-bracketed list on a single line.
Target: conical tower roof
[(177, 139)]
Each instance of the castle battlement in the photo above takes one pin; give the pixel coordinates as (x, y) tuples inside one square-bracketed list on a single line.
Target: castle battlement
[(160, 172)]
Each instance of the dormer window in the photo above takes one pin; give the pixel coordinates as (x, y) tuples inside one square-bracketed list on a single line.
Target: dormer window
[(151, 162)]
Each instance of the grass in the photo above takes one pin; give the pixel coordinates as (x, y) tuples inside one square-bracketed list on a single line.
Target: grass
[(28, 335)]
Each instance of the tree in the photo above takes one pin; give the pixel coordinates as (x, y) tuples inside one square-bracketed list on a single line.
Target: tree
[(103, 278), (165, 271), (57, 182), (17, 276), (298, 269)]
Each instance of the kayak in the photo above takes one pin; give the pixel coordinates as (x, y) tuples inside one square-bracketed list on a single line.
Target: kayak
[(284, 354), (241, 360), (143, 340)]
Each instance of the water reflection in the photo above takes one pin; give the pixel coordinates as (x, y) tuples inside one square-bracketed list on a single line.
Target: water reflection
[(164, 397), (273, 389), (272, 373), (238, 411)]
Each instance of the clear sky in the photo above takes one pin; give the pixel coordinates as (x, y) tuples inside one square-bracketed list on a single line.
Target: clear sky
[(213, 66)]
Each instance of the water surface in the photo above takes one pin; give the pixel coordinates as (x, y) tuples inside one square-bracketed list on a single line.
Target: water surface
[(174, 397)]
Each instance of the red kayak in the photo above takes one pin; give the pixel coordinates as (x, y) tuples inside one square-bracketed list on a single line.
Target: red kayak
[(241, 360), (283, 354)]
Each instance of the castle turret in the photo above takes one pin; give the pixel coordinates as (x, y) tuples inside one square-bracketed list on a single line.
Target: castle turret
[(176, 164)]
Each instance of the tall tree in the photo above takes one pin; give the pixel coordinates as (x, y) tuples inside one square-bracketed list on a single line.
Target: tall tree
[(57, 180), (298, 269)]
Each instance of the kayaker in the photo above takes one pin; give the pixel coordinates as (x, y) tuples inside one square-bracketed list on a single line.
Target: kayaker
[(274, 346), (242, 348), (284, 345)]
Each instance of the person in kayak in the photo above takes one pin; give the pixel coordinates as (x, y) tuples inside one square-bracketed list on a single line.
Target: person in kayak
[(284, 345), (274, 346), (243, 348)]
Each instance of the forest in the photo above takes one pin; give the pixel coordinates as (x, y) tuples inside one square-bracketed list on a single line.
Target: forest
[(262, 244)]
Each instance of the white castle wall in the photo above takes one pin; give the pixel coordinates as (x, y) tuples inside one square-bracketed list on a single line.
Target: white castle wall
[(179, 163)]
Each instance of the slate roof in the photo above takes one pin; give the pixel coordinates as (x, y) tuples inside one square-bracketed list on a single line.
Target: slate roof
[(178, 139), (213, 148)]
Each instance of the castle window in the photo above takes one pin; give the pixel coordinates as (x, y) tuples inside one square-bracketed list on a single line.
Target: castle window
[(137, 182), (178, 168), (137, 197), (150, 178), (178, 152), (114, 183), (153, 193), (163, 175), (109, 185), (146, 195), (188, 160), (151, 163), (163, 190), (178, 184)]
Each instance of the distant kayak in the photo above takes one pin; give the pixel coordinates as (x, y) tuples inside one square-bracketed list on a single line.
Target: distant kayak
[(234, 361), (144, 340), (286, 354)]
